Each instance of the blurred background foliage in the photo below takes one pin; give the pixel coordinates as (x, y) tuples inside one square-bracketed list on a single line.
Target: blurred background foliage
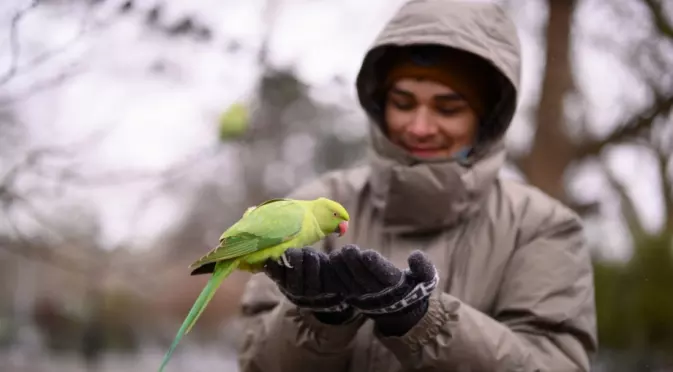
[(73, 299)]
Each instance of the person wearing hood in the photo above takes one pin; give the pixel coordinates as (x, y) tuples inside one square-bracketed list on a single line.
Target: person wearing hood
[(447, 266)]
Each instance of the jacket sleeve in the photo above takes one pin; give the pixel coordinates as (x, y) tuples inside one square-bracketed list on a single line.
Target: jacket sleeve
[(544, 318), (279, 337)]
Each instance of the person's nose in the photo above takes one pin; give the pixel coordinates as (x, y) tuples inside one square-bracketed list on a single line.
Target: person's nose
[(421, 125)]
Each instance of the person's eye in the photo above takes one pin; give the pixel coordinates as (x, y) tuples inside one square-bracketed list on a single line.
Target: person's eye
[(402, 105), (449, 109)]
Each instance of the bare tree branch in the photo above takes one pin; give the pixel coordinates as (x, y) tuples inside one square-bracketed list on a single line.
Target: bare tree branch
[(32, 159), (50, 54), (87, 24), (627, 206), (14, 46), (164, 176), (659, 19), (662, 146), (43, 85), (31, 249), (632, 129), (666, 188), (19, 244), (269, 15)]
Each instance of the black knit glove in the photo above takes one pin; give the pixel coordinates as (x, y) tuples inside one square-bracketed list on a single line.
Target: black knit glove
[(396, 300), (307, 279)]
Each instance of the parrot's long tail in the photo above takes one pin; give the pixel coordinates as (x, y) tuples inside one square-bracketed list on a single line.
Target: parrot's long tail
[(222, 270)]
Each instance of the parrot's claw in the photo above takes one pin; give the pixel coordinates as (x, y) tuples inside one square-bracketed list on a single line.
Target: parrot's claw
[(284, 261)]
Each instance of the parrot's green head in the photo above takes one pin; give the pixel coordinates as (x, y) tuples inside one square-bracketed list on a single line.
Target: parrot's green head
[(331, 216)]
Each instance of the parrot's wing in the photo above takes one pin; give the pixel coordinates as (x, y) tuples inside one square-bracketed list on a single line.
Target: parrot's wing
[(267, 227), (250, 209), (273, 201)]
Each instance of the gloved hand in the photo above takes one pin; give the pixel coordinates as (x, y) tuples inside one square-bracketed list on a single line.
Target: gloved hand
[(396, 300), (310, 283)]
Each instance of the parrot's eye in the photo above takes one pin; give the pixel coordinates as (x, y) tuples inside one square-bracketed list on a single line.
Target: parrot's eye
[(335, 214)]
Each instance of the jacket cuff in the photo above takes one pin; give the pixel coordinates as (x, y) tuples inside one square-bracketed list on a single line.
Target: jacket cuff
[(321, 337), (398, 324), (440, 311), (336, 317)]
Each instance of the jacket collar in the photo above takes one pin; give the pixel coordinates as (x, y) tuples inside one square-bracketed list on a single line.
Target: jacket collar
[(421, 196)]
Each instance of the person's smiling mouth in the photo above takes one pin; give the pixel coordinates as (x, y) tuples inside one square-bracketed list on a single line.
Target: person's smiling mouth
[(424, 151)]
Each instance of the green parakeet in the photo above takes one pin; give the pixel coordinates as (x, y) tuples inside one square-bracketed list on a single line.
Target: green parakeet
[(234, 121), (264, 231)]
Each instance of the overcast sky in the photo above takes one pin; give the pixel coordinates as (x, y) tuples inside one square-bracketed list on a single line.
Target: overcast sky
[(158, 119)]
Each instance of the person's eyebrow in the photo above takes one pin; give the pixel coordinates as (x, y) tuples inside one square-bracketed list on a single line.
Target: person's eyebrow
[(449, 97), (401, 92)]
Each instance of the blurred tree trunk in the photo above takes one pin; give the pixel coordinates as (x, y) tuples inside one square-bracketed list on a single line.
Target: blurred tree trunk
[(553, 150), (632, 297), (269, 128), (263, 144), (282, 109)]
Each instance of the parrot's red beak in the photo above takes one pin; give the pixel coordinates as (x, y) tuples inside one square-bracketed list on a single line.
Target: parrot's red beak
[(343, 228)]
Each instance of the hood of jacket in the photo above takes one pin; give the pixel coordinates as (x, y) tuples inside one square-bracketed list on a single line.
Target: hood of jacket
[(413, 194)]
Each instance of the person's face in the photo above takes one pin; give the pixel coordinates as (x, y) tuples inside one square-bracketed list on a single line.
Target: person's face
[(428, 119)]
